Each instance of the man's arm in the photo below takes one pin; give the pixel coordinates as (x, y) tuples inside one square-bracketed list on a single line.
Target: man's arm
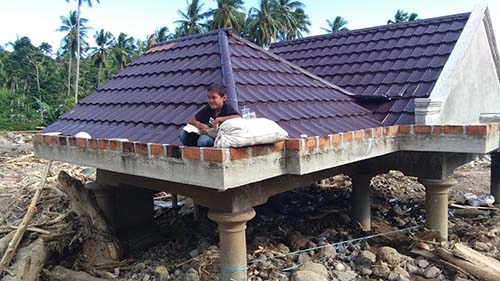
[(221, 119), (198, 124)]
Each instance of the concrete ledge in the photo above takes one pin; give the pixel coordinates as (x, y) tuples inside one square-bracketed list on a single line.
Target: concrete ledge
[(225, 168)]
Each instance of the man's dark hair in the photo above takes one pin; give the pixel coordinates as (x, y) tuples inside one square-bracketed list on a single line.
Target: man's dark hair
[(218, 88)]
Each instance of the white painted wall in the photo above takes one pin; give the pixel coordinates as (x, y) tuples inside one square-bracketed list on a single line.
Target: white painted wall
[(476, 89), (468, 84)]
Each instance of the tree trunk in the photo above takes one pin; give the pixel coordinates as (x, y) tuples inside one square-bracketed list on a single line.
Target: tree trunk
[(480, 273), (100, 245), (4, 242), (69, 74), (60, 273), (99, 75), (77, 73), (29, 262)]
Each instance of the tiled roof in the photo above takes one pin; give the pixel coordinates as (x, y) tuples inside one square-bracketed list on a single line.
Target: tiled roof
[(402, 61), (151, 99)]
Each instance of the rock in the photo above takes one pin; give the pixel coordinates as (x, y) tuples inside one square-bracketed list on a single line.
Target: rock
[(339, 266), (431, 272), (393, 276), (381, 270), (422, 263), (303, 258), (389, 255), (146, 277), (191, 275), (365, 258), (264, 275), (364, 271), (161, 273), (306, 275), (328, 251), (398, 269), (345, 275), (194, 253), (296, 240), (412, 269), (282, 248), (314, 267), (481, 246)]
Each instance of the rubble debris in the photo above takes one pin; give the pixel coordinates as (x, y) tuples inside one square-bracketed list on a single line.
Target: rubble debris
[(307, 225)]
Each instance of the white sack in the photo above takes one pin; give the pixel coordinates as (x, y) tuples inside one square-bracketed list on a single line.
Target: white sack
[(240, 132)]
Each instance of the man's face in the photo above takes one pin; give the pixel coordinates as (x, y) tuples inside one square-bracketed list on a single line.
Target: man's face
[(215, 100)]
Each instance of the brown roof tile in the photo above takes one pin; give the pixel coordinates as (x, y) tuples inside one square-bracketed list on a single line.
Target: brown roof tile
[(400, 61), (151, 99)]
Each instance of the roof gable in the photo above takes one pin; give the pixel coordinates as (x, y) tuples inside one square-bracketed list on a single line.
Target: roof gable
[(151, 99), (400, 61)]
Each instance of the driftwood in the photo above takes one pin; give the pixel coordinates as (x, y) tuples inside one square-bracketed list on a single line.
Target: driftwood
[(480, 273), (100, 245), (435, 258), (480, 260), (29, 262), (14, 243), (60, 273), (4, 242)]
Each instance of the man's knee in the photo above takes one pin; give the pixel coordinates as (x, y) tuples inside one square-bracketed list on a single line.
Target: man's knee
[(187, 138), (205, 141)]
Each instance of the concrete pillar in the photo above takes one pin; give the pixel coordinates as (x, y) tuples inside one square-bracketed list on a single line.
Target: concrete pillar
[(361, 200), (436, 204), (105, 197), (495, 176), (232, 243)]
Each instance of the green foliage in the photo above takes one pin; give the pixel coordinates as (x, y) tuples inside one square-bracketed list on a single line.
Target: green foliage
[(37, 83)]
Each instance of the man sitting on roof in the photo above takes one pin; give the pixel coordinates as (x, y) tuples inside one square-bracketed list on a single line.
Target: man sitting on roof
[(209, 117)]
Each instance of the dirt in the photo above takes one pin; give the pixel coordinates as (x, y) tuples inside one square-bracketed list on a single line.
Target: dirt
[(312, 223)]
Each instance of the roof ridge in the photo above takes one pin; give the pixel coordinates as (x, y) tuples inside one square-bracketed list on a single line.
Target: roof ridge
[(371, 29), (290, 64), (227, 68), (189, 37)]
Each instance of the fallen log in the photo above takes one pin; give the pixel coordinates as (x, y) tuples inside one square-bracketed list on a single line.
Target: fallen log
[(29, 262), (100, 245), (14, 243), (60, 273), (435, 258), (480, 273), (4, 242), (462, 251)]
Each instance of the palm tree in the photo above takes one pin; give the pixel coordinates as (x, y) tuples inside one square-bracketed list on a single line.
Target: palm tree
[(104, 40), (301, 25), (402, 16), (70, 40), (123, 50), (191, 20), (78, 43), (263, 25), (163, 34), (229, 13), (338, 24), (291, 18)]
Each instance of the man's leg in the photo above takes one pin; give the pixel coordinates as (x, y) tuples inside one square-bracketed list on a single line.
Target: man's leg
[(205, 141), (188, 139)]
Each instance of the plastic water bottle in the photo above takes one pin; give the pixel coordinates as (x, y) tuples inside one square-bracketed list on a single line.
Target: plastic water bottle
[(245, 112)]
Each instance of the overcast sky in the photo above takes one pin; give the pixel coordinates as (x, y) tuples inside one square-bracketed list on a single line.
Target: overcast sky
[(39, 20)]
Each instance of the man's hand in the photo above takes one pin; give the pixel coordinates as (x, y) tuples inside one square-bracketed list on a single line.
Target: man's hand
[(216, 123)]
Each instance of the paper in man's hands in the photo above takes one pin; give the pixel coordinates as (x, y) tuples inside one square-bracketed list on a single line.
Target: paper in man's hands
[(191, 129)]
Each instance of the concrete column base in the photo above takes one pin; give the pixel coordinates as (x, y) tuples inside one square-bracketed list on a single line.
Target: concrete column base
[(436, 204), (124, 206), (361, 200), (495, 176), (232, 243)]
